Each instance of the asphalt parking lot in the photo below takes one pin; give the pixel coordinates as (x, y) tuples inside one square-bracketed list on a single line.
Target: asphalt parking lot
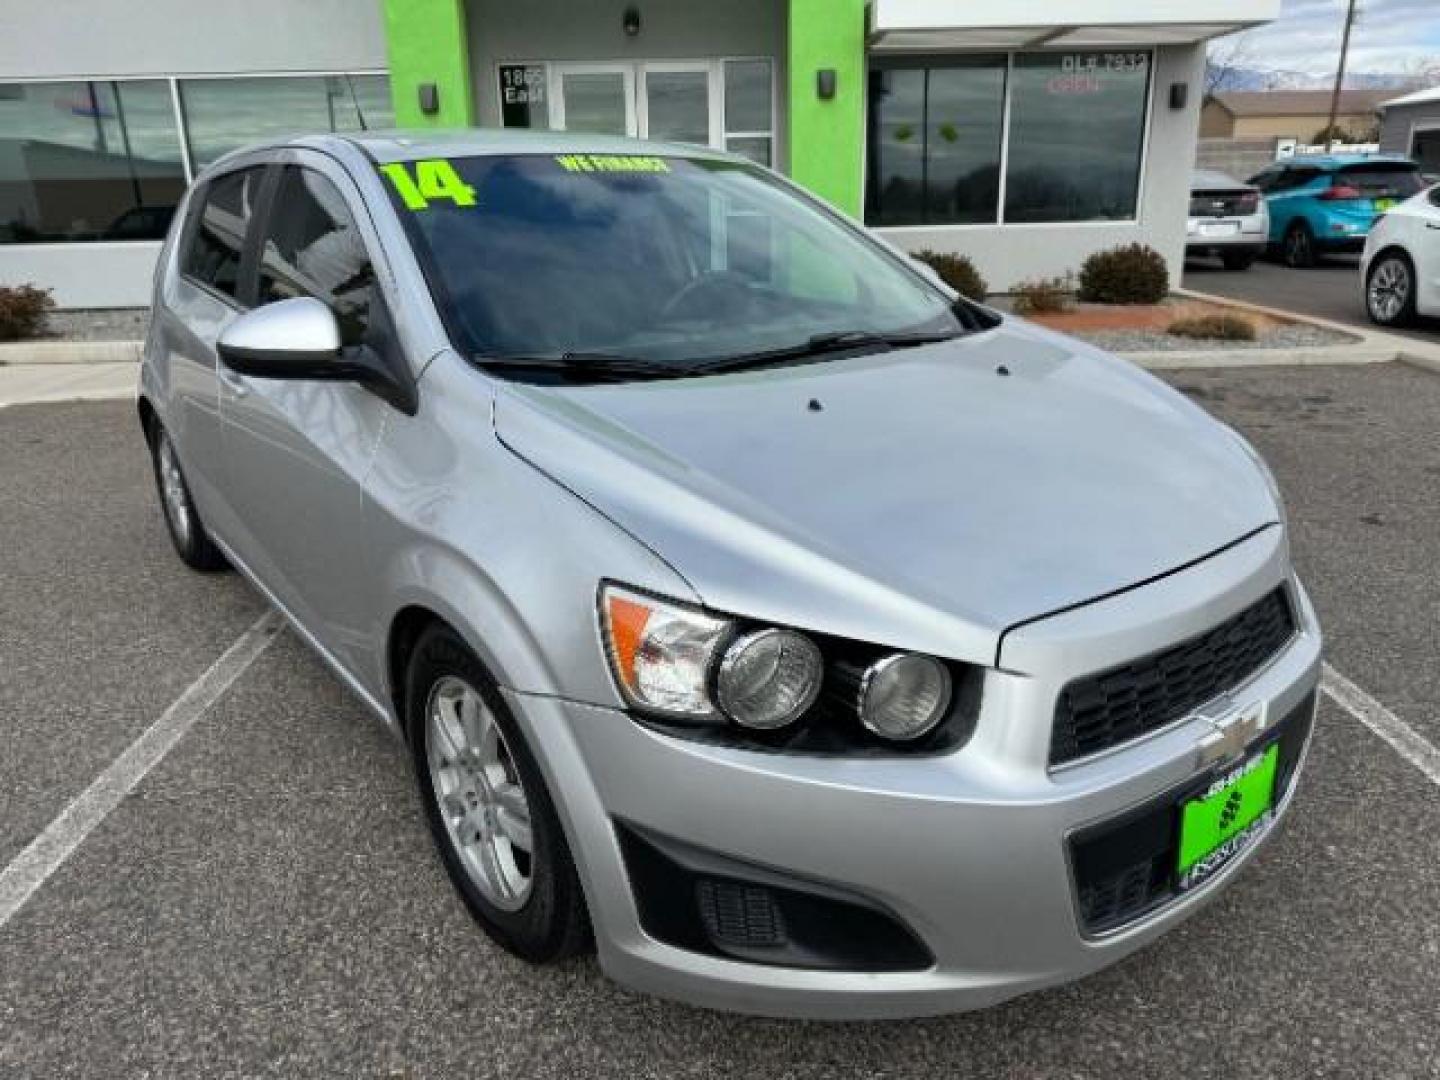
[(1329, 290), (265, 902)]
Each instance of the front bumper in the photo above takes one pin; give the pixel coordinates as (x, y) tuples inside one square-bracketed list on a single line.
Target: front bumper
[(969, 850)]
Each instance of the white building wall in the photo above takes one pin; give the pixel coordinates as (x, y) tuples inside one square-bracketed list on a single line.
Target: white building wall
[(1007, 255), (103, 39)]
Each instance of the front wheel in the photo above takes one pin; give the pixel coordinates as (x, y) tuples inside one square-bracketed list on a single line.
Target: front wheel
[(488, 808), (1390, 290), (1299, 246)]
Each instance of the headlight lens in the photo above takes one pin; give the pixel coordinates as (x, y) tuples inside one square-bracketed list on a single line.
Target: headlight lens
[(768, 679), (904, 696), (661, 653)]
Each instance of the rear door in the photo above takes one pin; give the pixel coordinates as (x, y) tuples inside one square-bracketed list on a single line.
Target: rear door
[(297, 451), (200, 300)]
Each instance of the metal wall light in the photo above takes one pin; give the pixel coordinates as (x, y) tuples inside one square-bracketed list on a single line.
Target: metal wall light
[(429, 95), (825, 80), (1179, 94), (631, 21)]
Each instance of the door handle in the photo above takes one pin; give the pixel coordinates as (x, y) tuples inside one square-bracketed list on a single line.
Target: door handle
[(237, 384), (1432, 224)]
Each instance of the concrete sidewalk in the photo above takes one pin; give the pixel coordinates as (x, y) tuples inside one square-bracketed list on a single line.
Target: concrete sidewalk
[(26, 384)]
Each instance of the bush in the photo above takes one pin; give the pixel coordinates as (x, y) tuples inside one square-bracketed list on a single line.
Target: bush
[(1125, 275), (1214, 328), (1043, 295), (22, 311), (958, 272)]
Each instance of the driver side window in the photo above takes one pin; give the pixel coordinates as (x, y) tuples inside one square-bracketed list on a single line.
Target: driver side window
[(313, 247)]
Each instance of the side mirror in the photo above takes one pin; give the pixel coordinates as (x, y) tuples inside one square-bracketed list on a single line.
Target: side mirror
[(289, 339), (300, 339)]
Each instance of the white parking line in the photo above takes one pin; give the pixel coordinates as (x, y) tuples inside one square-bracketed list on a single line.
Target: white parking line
[(1403, 739), (48, 851)]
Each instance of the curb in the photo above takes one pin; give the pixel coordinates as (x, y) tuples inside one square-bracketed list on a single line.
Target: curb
[(71, 352)]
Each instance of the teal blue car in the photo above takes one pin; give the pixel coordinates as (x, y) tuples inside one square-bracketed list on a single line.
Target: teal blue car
[(1326, 203)]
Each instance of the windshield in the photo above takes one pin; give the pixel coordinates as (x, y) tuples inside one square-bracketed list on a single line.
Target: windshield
[(667, 261)]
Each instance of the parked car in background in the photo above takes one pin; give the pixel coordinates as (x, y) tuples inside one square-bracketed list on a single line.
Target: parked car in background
[(1400, 269), (1327, 203), (1227, 218)]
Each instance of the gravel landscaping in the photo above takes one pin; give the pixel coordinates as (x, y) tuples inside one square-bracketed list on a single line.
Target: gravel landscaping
[(120, 324), (1294, 336)]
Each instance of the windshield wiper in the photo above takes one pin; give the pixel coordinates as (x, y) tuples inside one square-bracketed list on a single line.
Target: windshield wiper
[(594, 366), (821, 344)]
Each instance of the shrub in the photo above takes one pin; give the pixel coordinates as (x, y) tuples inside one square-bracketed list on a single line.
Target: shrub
[(1213, 327), (1043, 295), (1125, 275), (22, 311), (958, 272)]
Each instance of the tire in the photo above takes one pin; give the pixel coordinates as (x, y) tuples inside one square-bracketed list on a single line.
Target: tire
[(1237, 260), (187, 532), (1390, 289), (1298, 246), (471, 761)]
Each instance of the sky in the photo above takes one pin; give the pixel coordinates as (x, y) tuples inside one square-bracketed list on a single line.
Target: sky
[(1389, 36)]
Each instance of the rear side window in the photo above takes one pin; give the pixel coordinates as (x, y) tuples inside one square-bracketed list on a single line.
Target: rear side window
[(313, 247), (218, 240), (1377, 180)]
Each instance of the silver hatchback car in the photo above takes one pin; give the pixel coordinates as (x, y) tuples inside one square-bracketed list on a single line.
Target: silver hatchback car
[(813, 641)]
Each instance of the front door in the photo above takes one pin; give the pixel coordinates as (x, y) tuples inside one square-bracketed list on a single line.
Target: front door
[(669, 100)]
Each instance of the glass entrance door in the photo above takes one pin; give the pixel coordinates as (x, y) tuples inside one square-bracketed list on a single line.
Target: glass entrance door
[(598, 98), (677, 103)]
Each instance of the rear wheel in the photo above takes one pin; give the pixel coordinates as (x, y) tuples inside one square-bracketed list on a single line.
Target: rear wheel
[(1237, 260), (1390, 290), (1298, 246), (489, 811), (187, 531)]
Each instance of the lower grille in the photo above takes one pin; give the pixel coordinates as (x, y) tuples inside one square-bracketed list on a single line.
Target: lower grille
[(1127, 867), (1101, 711)]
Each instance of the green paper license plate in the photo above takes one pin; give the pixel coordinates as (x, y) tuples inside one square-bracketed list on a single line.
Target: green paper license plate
[(1384, 204), (1221, 822)]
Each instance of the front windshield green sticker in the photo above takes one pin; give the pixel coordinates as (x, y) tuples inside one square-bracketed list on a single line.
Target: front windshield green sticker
[(612, 163), (432, 179)]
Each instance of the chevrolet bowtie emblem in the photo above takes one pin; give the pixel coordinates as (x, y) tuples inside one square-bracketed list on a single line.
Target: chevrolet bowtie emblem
[(1233, 729)]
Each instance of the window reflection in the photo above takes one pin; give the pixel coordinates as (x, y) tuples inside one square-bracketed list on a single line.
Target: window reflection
[(88, 161), (1077, 122), (224, 114)]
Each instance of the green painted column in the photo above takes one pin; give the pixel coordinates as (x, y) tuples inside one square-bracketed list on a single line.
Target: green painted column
[(428, 45), (827, 138)]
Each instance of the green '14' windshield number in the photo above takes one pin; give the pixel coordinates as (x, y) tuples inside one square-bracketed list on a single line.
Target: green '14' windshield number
[(433, 178)]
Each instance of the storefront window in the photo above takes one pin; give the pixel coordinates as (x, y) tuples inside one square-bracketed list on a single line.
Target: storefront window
[(1077, 126), (935, 142), (223, 114), (88, 161), (1077, 123)]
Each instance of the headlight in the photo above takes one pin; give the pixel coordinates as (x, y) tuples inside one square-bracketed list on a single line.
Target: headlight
[(769, 678), (661, 652), (904, 696), (696, 674)]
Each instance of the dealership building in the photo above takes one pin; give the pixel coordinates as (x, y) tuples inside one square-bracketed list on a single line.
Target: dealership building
[(1026, 134)]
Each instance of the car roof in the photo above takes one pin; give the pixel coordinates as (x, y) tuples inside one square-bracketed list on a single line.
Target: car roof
[(1213, 178), (411, 145), (1336, 161)]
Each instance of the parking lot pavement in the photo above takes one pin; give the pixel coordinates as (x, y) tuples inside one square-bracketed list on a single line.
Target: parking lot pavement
[(266, 902), (1328, 290)]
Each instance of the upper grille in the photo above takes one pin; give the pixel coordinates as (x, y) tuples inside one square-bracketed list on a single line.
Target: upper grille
[(1224, 204), (1111, 707)]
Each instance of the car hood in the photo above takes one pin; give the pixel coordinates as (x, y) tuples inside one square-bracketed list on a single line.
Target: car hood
[(928, 498)]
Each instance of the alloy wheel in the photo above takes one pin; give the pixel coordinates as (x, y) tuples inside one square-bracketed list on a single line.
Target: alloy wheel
[(479, 793), (172, 491), (1389, 290)]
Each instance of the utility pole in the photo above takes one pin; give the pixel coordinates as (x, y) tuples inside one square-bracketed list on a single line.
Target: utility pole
[(1339, 75)]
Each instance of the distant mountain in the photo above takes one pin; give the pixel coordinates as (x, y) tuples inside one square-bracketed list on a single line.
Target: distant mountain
[(1262, 79)]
